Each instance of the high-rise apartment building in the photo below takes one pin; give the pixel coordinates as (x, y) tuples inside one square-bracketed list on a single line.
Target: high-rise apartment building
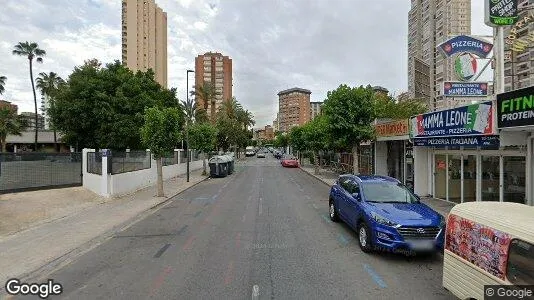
[(315, 109), (294, 108), (519, 64), (215, 69), (144, 38), (275, 124), (431, 22)]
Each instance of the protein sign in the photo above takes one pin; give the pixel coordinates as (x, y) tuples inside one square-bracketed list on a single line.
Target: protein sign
[(516, 108)]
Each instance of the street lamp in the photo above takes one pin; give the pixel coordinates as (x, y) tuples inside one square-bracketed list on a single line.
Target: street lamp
[(187, 124)]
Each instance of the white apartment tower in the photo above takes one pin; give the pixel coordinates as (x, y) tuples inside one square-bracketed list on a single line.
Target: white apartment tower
[(431, 22)]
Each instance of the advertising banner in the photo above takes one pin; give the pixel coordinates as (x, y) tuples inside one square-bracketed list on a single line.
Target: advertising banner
[(395, 128), (480, 245), (500, 12), (516, 108), (474, 119), (464, 43), (465, 89), (490, 141)]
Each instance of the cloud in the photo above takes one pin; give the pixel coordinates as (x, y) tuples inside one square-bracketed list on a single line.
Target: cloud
[(274, 45)]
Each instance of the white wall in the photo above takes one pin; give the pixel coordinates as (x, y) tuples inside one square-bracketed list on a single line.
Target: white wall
[(422, 176), (124, 183), (381, 158)]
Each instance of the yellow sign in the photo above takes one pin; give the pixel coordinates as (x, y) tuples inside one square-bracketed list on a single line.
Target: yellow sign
[(394, 128), (520, 44)]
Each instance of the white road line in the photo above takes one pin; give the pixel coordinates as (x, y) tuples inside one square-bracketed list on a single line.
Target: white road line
[(255, 292), (314, 206), (259, 209)]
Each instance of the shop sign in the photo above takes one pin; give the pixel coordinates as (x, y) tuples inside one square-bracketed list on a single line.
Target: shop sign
[(464, 43), (500, 12), (466, 141), (517, 44), (516, 108), (485, 247), (465, 66), (465, 89), (395, 128), (409, 151), (474, 119)]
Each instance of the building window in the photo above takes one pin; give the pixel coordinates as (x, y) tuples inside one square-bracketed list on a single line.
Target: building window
[(520, 269)]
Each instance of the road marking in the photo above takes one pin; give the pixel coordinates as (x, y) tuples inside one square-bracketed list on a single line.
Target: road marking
[(315, 206), (307, 197), (342, 239), (188, 243), (244, 217), (327, 219), (260, 208), (255, 292), (228, 275), (181, 230), (160, 251), (159, 281), (197, 214), (375, 276)]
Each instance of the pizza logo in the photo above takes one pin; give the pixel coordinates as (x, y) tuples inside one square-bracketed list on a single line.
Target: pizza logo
[(487, 48), (447, 86), (484, 86), (447, 47)]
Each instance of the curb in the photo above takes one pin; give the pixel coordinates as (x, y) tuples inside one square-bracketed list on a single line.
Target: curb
[(178, 193), (310, 174), (41, 273)]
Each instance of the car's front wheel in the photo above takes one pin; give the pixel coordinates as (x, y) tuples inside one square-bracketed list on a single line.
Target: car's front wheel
[(333, 211), (364, 237)]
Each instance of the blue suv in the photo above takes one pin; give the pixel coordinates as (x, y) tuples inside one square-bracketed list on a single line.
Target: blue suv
[(385, 214)]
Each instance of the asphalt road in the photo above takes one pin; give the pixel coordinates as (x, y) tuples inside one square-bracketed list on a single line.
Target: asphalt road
[(261, 233)]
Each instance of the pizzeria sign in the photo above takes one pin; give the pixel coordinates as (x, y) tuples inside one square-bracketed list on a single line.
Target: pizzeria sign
[(395, 128)]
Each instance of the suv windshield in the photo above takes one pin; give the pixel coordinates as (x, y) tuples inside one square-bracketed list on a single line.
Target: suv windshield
[(388, 193)]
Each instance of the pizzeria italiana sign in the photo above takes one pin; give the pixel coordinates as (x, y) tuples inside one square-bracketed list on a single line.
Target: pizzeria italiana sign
[(395, 128)]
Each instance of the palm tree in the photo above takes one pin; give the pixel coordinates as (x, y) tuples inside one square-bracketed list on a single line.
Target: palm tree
[(208, 95), (2, 84), (49, 85), (31, 51), (10, 123)]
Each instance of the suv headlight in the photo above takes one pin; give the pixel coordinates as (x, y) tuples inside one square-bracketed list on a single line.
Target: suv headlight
[(442, 221), (381, 220)]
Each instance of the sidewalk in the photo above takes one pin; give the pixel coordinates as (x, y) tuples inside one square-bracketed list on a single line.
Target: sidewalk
[(45, 246), (329, 178)]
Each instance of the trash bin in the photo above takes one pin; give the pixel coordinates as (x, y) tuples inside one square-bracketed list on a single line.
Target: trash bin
[(230, 164), (218, 166)]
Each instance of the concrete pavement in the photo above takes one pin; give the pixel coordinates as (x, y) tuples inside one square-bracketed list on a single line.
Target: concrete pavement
[(49, 245), (262, 232), (329, 178)]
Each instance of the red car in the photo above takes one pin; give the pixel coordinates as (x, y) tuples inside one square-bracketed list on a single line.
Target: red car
[(290, 161)]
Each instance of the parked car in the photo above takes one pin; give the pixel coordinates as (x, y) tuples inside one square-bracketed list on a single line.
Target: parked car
[(290, 161), (386, 215), (249, 151), (260, 155), (277, 154)]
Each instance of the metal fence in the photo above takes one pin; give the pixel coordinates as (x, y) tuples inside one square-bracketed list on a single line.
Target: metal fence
[(39, 170), (94, 163), (123, 162)]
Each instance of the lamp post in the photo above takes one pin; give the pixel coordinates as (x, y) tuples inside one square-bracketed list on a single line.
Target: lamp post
[(187, 124)]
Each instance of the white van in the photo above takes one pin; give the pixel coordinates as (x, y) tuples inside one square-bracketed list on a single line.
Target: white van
[(488, 243), (249, 151)]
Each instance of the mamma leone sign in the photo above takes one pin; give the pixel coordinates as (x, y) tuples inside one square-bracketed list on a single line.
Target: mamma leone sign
[(516, 108), (471, 120), (465, 89)]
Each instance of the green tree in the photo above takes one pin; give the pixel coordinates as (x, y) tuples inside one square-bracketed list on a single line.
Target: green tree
[(282, 140), (10, 123), (387, 107), (350, 112), (316, 134), (203, 137), (232, 123), (49, 84), (103, 107), (3, 80), (207, 94), (160, 133), (31, 51), (297, 139)]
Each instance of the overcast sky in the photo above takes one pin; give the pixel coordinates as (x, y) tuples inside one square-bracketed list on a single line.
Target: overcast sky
[(274, 45)]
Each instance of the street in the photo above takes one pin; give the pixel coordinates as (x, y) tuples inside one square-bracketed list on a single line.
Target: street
[(262, 232)]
